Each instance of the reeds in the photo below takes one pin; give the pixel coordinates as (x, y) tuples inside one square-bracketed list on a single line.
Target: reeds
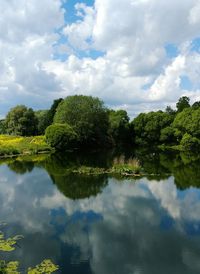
[(123, 165)]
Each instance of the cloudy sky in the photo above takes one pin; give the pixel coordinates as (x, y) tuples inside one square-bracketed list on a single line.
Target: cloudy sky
[(138, 55)]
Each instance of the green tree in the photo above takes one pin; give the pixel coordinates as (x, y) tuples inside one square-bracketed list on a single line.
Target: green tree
[(42, 120), (167, 135), (2, 127), (170, 110), (22, 121), (196, 105), (183, 103), (148, 126), (87, 115), (188, 121), (45, 117), (138, 125), (119, 128), (61, 136), (190, 143), (52, 111)]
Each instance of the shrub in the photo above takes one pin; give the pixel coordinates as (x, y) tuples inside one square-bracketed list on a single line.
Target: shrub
[(61, 136), (167, 135), (190, 143)]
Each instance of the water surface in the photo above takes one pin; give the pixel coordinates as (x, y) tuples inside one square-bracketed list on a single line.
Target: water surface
[(102, 224)]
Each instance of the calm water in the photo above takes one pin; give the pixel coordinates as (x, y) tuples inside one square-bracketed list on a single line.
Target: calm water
[(100, 224)]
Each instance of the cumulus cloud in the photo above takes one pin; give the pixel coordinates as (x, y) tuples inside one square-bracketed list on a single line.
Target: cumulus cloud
[(27, 31), (133, 36), (131, 69)]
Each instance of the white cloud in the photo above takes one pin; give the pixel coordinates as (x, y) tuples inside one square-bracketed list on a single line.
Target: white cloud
[(131, 35), (27, 33), (167, 84), (78, 32)]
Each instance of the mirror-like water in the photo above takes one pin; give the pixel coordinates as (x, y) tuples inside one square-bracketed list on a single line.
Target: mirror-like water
[(102, 224)]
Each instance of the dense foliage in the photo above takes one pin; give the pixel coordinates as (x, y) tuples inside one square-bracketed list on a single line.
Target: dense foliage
[(61, 136), (190, 143), (2, 127), (79, 121), (188, 121), (45, 117), (119, 128), (179, 129), (88, 117), (148, 126), (183, 103), (42, 121), (21, 121)]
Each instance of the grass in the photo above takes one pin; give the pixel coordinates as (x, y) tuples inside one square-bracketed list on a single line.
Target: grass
[(90, 170), (120, 166), (126, 166), (15, 145)]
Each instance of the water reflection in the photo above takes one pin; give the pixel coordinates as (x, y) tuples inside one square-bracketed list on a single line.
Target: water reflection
[(184, 167), (79, 186), (21, 167), (75, 186), (104, 225)]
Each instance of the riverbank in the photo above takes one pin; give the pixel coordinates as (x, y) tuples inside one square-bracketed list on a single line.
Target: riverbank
[(11, 146)]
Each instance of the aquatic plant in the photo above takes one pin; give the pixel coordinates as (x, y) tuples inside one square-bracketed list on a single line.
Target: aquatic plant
[(9, 244), (46, 267), (126, 166), (9, 268)]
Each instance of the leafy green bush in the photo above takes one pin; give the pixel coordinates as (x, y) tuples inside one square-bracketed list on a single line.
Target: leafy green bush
[(61, 136), (188, 121), (190, 143), (167, 135)]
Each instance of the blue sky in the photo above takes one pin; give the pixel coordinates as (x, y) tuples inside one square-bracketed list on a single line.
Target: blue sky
[(70, 12), (133, 54), (70, 17)]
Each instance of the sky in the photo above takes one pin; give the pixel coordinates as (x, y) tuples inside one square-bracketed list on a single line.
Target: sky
[(137, 55)]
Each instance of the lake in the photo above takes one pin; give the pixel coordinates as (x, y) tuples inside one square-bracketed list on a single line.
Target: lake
[(103, 224)]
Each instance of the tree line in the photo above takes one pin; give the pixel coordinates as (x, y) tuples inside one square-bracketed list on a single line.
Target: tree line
[(80, 120)]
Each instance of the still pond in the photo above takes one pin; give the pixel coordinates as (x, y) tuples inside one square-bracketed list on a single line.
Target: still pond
[(103, 224)]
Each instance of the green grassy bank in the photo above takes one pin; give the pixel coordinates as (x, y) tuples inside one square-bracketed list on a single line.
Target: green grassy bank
[(15, 145)]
